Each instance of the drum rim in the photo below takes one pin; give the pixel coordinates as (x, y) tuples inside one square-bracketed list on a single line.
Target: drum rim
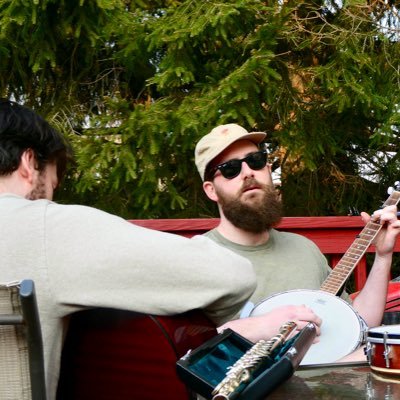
[(388, 371), (378, 333), (381, 340)]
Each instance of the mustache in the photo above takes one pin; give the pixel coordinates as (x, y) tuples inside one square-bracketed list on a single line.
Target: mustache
[(250, 183)]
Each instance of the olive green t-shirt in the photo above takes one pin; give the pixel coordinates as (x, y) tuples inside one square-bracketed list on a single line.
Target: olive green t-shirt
[(287, 261)]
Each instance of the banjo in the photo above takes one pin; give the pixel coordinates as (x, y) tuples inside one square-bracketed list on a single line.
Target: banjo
[(342, 330)]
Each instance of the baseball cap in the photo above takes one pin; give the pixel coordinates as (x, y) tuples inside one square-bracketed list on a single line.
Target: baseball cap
[(221, 137)]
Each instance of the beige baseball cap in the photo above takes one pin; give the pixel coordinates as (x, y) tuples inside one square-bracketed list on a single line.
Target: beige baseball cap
[(221, 137)]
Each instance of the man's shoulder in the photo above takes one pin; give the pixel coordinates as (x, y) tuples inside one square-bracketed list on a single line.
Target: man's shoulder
[(210, 233), (274, 233), (287, 235), (291, 237), (12, 202), (221, 240), (214, 235)]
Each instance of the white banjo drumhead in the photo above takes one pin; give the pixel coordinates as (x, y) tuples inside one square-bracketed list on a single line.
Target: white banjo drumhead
[(341, 330)]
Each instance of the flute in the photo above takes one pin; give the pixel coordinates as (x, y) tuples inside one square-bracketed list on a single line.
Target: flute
[(244, 368)]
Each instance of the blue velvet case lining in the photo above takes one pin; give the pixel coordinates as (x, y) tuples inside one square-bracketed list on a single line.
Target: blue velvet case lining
[(213, 365)]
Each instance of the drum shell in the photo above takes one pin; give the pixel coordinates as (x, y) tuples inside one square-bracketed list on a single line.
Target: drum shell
[(379, 341)]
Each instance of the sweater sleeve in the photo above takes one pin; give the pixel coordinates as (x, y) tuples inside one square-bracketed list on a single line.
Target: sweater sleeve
[(95, 259)]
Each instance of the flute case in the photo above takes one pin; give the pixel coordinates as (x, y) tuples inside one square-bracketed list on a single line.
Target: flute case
[(203, 368)]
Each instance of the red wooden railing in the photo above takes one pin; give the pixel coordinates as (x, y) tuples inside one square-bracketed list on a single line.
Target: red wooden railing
[(333, 235)]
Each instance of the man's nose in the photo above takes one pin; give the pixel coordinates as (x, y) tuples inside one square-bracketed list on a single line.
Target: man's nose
[(246, 171)]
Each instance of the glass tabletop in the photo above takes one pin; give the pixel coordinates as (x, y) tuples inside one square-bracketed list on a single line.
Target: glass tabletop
[(344, 381)]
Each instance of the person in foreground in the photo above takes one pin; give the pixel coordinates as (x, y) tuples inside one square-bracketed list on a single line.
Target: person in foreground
[(80, 257), (236, 175)]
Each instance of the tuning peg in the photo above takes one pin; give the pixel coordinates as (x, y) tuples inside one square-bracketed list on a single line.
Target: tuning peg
[(353, 212)]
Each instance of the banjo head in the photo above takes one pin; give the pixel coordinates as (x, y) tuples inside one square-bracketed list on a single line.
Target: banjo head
[(342, 330)]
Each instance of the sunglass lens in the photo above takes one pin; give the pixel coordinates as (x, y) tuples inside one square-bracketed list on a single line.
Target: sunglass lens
[(257, 160), (231, 169)]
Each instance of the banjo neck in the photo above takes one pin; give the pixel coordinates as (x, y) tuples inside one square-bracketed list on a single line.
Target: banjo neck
[(356, 251)]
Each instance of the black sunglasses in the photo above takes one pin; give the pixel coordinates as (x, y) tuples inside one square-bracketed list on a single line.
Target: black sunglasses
[(231, 169)]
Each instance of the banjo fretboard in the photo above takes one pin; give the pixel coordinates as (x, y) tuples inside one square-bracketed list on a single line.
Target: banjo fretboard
[(353, 255)]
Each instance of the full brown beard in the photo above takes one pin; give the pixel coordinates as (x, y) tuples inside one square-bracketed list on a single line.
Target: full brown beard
[(255, 215)]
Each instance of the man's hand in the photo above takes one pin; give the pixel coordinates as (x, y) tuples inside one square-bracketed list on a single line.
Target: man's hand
[(267, 325), (386, 238), (370, 303)]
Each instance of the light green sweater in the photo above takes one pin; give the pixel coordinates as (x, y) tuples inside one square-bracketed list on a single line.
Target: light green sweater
[(81, 257)]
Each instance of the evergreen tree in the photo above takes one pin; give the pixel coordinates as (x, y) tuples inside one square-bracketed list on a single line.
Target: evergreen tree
[(135, 84)]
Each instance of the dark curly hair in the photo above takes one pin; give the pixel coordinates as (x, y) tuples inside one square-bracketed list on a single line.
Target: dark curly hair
[(22, 129)]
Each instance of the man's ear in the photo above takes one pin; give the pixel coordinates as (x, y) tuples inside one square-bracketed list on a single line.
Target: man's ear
[(27, 165), (209, 190)]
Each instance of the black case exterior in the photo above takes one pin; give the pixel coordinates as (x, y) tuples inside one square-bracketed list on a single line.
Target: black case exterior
[(265, 382)]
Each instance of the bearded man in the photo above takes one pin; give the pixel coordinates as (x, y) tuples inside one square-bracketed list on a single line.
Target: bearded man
[(237, 176)]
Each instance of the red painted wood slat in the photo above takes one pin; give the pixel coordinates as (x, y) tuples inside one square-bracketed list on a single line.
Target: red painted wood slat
[(333, 235)]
